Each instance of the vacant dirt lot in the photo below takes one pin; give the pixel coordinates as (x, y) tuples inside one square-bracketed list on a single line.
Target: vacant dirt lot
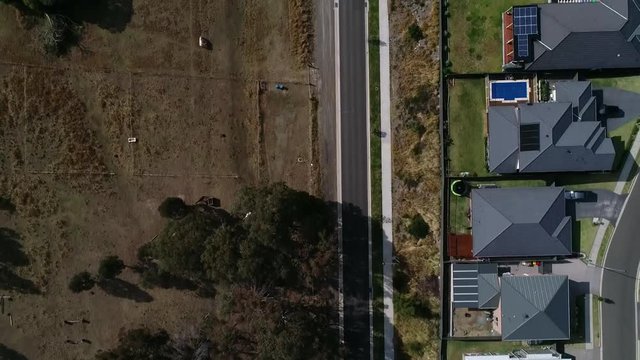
[(83, 191)]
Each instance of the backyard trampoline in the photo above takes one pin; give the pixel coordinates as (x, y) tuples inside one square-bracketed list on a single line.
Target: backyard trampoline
[(509, 90)]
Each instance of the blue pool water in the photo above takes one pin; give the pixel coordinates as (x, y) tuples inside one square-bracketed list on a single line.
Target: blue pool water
[(509, 90)]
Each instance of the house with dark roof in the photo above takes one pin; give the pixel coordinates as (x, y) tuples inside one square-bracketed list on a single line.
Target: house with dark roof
[(562, 135), (520, 223), (562, 35), (534, 307)]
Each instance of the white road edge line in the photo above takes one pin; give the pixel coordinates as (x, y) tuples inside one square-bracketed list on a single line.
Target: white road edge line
[(368, 112), (336, 29)]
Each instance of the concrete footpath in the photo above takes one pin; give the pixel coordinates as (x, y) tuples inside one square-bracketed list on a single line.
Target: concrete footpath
[(387, 172)]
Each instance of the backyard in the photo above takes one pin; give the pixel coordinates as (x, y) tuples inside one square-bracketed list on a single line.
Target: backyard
[(456, 349), (466, 127), (475, 41)]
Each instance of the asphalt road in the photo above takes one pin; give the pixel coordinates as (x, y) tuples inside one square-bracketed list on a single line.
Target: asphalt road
[(355, 191), (618, 285)]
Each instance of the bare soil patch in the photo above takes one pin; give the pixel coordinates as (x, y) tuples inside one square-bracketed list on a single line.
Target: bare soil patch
[(83, 191)]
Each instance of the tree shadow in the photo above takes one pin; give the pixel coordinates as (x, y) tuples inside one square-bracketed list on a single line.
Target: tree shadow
[(153, 276), (111, 15), (10, 354), (124, 289), (12, 253), (11, 281)]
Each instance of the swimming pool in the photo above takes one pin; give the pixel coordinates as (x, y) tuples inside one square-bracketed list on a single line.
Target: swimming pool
[(509, 90)]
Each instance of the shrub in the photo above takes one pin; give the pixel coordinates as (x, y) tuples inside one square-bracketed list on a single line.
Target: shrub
[(173, 208), (418, 228), (110, 267), (81, 282), (415, 33)]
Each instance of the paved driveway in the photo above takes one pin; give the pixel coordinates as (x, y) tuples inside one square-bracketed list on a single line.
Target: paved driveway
[(599, 204)]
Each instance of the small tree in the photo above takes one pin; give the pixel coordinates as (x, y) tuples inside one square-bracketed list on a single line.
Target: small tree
[(81, 282), (415, 32), (110, 267), (173, 208), (418, 228)]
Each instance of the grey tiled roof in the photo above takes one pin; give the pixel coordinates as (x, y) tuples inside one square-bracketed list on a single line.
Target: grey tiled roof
[(520, 222), (571, 137), (535, 307), (590, 35)]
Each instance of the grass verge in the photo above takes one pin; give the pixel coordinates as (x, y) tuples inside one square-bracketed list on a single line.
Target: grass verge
[(376, 181), (475, 29), (605, 244), (466, 126), (596, 321)]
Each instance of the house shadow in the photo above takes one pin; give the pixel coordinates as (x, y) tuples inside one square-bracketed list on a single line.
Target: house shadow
[(111, 15), (124, 289), (10, 354)]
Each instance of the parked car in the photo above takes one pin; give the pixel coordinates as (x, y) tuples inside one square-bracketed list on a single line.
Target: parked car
[(574, 195)]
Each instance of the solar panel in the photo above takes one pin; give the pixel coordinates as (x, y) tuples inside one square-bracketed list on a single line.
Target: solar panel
[(530, 137), (523, 46), (525, 20)]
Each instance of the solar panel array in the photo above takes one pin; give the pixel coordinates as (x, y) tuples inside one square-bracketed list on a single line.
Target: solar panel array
[(530, 137), (523, 46), (525, 20)]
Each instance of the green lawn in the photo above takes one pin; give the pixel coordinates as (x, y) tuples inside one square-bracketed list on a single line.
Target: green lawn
[(475, 27), (466, 126), (455, 349), (629, 83), (584, 232), (459, 212)]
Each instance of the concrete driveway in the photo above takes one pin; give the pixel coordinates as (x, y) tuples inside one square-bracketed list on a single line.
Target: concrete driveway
[(585, 279), (599, 204)]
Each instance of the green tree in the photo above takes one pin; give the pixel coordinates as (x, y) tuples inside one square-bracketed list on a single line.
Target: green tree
[(221, 254), (81, 282), (110, 267), (181, 244), (173, 208)]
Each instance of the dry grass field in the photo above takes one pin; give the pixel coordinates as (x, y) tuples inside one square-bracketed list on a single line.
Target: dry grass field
[(82, 191)]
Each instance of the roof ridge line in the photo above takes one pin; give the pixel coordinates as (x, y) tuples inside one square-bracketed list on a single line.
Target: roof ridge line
[(501, 214), (612, 9), (527, 300)]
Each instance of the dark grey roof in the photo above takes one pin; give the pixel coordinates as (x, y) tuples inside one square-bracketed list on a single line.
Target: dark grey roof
[(488, 291), (571, 137), (475, 285), (535, 307), (589, 35), (520, 222)]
